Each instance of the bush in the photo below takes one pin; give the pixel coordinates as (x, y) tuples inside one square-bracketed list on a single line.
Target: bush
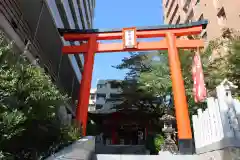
[(29, 101), (158, 142), (154, 142)]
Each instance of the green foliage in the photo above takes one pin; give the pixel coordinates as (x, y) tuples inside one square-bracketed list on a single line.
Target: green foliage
[(71, 132), (157, 80), (154, 143), (136, 63), (137, 91), (9, 124), (29, 124), (221, 59), (158, 142)]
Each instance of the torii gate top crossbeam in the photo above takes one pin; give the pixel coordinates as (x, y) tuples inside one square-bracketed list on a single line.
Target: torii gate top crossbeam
[(146, 32), (202, 23)]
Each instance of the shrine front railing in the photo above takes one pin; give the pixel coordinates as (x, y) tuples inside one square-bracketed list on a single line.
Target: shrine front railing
[(218, 126)]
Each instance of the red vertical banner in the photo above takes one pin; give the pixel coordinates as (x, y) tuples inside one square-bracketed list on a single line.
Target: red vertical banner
[(199, 89)]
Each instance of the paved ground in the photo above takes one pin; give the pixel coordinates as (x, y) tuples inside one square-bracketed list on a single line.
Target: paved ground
[(84, 149), (146, 157), (120, 149)]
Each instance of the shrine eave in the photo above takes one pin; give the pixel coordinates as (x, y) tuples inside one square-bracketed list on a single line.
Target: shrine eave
[(202, 23)]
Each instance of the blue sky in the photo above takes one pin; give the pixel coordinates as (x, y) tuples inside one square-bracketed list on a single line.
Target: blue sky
[(119, 14)]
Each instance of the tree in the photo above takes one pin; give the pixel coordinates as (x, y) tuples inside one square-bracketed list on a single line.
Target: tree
[(220, 60), (137, 93), (156, 80), (29, 103)]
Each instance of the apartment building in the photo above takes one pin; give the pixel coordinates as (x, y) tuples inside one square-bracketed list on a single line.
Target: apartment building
[(106, 96), (33, 26), (219, 13), (92, 100)]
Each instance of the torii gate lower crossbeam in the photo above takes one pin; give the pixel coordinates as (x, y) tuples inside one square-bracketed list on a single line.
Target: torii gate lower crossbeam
[(129, 37)]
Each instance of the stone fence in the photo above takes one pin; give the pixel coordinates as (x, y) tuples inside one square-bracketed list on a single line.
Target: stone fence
[(217, 128)]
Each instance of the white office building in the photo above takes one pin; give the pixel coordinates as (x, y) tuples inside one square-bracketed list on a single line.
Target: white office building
[(106, 96), (92, 100)]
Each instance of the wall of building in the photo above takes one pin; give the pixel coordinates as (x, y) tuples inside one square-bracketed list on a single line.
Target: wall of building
[(220, 14), (92, 100), (105, 95), (13, 36), (38, 28)]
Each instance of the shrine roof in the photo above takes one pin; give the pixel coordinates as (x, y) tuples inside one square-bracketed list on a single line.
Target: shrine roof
[(202, 23)]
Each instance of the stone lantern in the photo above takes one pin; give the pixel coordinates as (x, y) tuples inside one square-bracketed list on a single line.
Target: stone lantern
[(169, 144)]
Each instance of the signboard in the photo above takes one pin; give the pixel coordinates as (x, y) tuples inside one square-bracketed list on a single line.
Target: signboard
[(129, 38)]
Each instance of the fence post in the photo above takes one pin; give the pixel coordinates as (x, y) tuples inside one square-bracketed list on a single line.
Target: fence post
[(196, 131), (200, 119), (228, 132)]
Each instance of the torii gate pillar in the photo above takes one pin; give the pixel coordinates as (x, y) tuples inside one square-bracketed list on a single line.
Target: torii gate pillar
[(180, 101), (85, 86)]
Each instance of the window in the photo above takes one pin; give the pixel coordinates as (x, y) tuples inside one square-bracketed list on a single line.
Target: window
[(99, 106), (186, 5), (189, 19), (101, 86), (222, 19), (204, 36), (101, 96), (46, 69), (201, 17), (167, 2), (14, 24), (174, 14), (114, 106), (197, 2), (53, 79), (91, 107), (178, 20), (170, 8), (113, 95), (92, 96), (115, 85)]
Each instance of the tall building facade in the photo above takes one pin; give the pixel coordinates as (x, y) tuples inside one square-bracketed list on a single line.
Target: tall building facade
[(106, 96), (219, 13), (33, 26)]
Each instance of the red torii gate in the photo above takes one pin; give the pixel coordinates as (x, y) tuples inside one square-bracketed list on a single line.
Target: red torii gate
[(129, 37)]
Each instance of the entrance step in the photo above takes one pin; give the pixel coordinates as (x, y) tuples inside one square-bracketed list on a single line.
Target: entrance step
[(146, 157), (120, 149)]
